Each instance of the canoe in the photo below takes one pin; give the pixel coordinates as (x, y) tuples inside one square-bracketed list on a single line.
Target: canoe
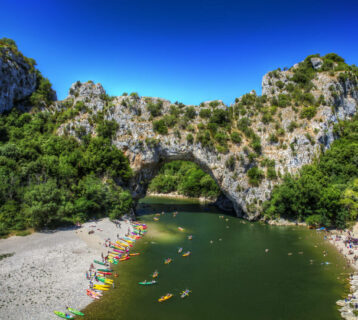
[(134, 254), (92, 294), (166, 297), (147, 283), (118, 251), (62, 315), (99, 262), (180, 229), (185, 293), (102, 285), (102, 289), (105, 270), (74, 311), (105, 280)]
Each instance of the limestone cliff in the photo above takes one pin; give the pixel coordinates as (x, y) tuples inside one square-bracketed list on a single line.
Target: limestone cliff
[(288, 135), (18, 79)]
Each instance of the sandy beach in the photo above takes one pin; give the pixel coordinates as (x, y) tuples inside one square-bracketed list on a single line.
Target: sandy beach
[(47, 269)]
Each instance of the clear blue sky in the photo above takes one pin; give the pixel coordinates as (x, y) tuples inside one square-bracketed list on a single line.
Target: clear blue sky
[(185, 50)]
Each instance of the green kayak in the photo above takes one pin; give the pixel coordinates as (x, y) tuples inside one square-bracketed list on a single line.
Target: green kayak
[(99, 262), (105, 270), (62, 315), (147, 283), (74, 311)]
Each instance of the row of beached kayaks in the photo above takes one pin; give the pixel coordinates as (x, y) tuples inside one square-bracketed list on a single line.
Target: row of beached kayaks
[(119, 248)]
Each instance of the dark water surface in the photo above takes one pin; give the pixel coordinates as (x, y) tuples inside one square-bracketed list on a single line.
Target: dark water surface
[(230, 279)]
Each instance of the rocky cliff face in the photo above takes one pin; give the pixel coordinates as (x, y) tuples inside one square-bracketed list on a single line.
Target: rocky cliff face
[(18, 79), (301, 132)]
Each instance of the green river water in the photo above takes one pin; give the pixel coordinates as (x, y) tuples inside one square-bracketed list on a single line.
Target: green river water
[(230, 279)]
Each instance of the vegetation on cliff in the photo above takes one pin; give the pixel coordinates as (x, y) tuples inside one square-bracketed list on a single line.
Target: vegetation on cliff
[(325, 192), (186, 178), (47, 179)]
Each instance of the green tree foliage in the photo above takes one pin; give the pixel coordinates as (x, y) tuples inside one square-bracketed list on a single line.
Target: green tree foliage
[(255, 176), (155, 109), (324, 193), (185, 178), (205, 113), (49, 179)]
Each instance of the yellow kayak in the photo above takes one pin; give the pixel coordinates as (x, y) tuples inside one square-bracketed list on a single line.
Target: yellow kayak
[(123, 244), (166, 297), (102, 285)]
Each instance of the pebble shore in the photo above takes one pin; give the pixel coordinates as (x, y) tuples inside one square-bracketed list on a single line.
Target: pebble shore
[(47, 270)]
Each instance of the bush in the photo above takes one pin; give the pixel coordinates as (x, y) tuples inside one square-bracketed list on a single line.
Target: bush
[(230, 163), (205, 113), (190, 138), (273, 138), (160, 126), (155, 109), (190, 113), (308, 112), (255, 176), (236, 137)]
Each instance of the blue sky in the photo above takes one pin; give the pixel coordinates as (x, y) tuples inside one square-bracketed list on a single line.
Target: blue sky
[(190, 51)]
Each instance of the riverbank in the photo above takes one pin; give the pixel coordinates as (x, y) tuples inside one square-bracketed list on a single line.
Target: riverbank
[(174, 195), (47, 269)]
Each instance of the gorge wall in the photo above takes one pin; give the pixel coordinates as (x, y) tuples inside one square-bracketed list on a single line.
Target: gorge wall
[(247, 148)]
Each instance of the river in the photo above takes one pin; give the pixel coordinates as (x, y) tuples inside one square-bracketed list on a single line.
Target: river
[(229, 272)]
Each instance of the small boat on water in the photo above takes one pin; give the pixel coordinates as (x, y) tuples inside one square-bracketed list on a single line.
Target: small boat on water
[(168, 260), (147, 283), (180, 229), (190, 237), (180, 250), (155, 274), (156, 219), (185, 293), (166, 297), (134, 254), (186, 254)]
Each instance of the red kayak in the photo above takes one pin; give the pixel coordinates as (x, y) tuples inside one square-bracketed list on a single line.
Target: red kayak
[(106, 273)]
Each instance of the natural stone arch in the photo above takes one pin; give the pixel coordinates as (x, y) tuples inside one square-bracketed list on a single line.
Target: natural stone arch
[(147, 149), (146, 172)]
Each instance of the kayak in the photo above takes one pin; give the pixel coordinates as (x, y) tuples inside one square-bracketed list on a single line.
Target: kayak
[(155, 274), (62, 315), (134, 254), (105, 270), (92, 294), (99, 262), (180, 229), (186, 254), (102, 285), (190, 237), (105, 280), (166, 297), (74, 311), (147, 283), (185, 293), (106, 273), (167, 261), (180, 250), (124, 259), (118, 251)]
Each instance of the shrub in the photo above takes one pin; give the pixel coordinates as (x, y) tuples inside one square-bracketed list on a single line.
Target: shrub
[(190, 113), (255, 176), (160, 126), (155, 109), (135, 95), (236, 137), (230, 163), (220, 117), (308, 112), (273, 138), (205, 113), (280, 84), (214, 104), (190, 138), (292, 126)]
